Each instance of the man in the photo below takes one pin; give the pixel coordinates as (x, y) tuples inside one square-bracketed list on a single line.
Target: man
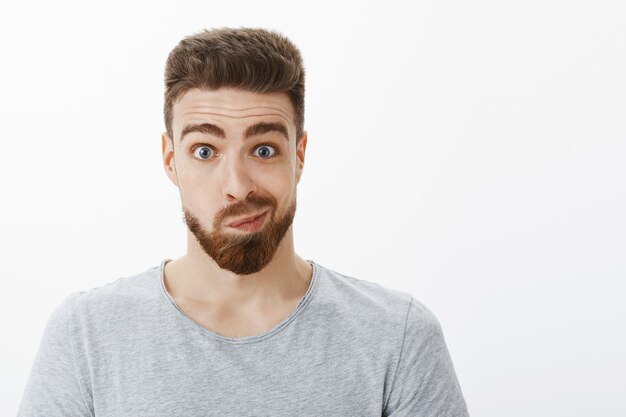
[(241, 325)]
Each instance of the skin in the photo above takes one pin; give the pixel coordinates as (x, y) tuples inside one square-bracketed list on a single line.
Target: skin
[(236, 297)]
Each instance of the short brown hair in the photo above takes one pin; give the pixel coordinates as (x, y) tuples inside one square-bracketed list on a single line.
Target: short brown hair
[(253, 59)]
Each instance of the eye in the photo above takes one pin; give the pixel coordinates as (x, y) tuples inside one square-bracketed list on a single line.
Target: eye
[(267, 151), (205, 151)]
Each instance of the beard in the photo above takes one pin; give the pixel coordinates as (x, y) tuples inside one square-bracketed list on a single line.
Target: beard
[(243, 254)]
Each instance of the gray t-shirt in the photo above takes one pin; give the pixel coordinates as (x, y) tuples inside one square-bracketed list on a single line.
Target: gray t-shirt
[(350, 348)]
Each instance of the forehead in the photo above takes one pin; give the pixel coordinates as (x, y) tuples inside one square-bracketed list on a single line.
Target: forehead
[(231, 106)]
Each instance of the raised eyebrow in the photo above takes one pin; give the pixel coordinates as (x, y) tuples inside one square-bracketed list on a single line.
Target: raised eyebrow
[(254, 130), (203, 128), (264, 127)]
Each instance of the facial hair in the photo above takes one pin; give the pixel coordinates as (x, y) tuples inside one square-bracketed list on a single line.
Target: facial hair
[(248, 253)]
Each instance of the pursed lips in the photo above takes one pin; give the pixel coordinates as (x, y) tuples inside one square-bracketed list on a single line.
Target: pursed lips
[(245, 219)]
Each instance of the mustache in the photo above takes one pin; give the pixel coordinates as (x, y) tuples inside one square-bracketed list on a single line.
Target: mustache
[(249, 206)]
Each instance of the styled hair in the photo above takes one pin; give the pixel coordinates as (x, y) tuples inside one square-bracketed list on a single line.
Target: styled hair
[(253, 59)]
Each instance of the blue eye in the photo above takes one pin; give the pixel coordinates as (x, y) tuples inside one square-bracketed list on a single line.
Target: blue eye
[(265, 153), (205, 152)]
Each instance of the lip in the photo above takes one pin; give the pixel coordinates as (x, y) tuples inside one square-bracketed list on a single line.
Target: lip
[(240, 221)]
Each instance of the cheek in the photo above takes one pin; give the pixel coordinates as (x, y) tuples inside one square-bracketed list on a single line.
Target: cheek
[(198, 193), (287, 193)]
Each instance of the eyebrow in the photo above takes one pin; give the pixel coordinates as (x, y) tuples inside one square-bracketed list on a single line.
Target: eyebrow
[(254, 130)]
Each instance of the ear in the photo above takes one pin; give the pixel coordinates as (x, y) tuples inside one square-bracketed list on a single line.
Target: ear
[(300, 151), (167, 149)]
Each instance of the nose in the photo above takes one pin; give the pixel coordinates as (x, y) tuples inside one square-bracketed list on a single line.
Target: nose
[(238, 183)]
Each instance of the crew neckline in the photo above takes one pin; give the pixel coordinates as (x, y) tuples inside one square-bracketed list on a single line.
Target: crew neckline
[(239, 340)]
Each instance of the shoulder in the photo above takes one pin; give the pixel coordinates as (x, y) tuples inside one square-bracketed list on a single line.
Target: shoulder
[(378, 305), (421, 318), (118, 297)]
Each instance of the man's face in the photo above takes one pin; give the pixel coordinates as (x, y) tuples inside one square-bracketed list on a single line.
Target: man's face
[(234, 156)]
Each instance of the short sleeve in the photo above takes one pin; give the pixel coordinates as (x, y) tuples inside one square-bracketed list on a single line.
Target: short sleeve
[(425, 384), (52, 388)]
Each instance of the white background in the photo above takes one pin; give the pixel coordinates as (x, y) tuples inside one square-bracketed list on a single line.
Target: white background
[(471, 153)]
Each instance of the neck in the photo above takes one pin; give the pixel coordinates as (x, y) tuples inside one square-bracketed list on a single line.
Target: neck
[(196, 278)]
